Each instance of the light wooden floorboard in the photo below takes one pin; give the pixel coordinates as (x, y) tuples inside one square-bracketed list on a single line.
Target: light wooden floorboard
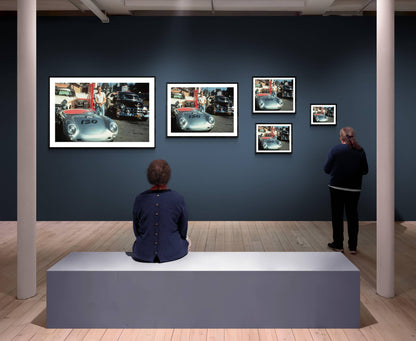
[(381, 319)]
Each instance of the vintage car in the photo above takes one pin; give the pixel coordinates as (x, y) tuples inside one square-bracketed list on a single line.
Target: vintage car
[(329, 111), (189, 104), (127, 104), (220, 105), (287, 91), (84, 125), (269, 142), (191, 119), (320, 118), (64, 94), (268, 102), (82, 100), (177, 95)]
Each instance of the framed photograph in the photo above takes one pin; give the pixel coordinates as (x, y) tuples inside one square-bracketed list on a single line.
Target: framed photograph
[(274, 138), (202, 109), (323, 114), (102, 112), (274, 95)]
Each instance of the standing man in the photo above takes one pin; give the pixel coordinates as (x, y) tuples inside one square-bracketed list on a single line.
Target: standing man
[(274, 88), (202, 102), (100, 99)]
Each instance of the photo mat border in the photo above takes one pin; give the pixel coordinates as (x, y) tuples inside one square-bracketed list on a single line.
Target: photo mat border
[(312, 123), (170, 85), (151, 144), (253, 89), (278, 151)]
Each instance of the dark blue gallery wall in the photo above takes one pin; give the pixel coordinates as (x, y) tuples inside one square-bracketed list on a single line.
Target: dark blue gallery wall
[(222, 178), (8, 110), (405, 119)]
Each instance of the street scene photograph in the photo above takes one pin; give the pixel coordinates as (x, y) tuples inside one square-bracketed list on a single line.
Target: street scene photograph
[(273, 138), (323, 114), (94, 112), (202, 109), (274, 95)]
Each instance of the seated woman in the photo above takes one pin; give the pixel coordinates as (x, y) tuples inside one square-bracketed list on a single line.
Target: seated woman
[(160, 219)]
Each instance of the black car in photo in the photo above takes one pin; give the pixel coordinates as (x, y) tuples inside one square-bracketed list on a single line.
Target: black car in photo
[(84, 125), (287, 90), (283, 134), (127, 104), (329, 111), (220, 104), (189, 104)]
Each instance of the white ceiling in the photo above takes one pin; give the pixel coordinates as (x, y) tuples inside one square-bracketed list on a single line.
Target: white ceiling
[(183, 7)]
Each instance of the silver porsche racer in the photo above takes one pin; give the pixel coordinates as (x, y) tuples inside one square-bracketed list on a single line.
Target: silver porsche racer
[(83, 125), (268, 102), (269, 144), (320, 118), (191, 119)]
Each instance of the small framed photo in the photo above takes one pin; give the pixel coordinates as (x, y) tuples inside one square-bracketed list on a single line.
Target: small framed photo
[(202, 109), (274, 95), (102, 112), (323, 114), (274, 138)]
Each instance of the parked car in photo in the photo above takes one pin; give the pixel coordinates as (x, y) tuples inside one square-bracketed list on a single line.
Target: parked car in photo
[(177, 95), (84, 125), (266, 101), (320, 118), (191, 120), (189, 104), (269, 142), (283, 134), (127, 104), (287, 90), (329, 111), (64, 94), (81, 101), (220, 104)]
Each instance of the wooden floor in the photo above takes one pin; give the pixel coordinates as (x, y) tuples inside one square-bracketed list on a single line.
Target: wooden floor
[(381, 319)]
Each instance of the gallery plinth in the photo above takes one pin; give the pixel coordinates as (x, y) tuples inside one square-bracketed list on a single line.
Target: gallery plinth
[(204, 290)]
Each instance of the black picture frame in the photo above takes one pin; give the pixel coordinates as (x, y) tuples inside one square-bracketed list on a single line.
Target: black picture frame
[(274, 95), (136, 124), (187, 117), (323, 114), (274, 138)]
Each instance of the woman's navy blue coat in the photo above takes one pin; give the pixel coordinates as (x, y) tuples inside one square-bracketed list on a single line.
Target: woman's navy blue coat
[(160, 224)]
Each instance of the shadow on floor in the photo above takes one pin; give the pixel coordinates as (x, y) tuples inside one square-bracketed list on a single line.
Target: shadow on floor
[(40, 320), (366, 319)]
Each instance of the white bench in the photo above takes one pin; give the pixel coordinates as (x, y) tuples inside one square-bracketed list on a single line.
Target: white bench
[(204, 290)]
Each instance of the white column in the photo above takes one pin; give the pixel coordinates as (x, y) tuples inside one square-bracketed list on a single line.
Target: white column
[(26, 148), (385, 148)]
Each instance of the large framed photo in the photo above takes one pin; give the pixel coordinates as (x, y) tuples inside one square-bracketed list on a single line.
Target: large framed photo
[(202, 109), (323, 114), (274, 138), (274, 95), (102, 112)]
